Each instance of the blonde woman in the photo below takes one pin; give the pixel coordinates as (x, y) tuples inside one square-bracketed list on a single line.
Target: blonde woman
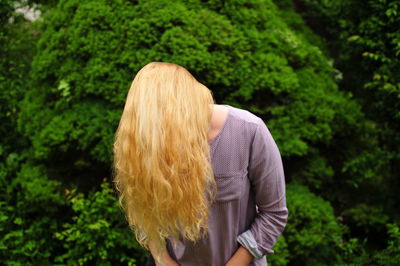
[(200, 183)]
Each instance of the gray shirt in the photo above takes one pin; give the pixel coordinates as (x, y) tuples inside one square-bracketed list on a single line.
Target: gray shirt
[(250, 208)]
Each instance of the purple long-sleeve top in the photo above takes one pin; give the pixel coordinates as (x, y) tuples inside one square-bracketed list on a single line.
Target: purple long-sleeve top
[(250, 208)]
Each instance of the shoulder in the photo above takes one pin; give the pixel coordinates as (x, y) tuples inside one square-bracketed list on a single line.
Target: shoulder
[(244, 117)]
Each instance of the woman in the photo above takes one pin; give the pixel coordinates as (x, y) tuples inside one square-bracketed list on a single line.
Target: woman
[(200, 183)]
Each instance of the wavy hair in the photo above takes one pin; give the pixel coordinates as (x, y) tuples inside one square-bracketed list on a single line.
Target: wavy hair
[(162, 166)]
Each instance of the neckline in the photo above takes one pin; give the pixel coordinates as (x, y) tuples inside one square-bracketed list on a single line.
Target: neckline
[(223, 126)]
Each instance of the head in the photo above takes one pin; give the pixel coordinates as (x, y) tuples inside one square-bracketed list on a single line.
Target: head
[(162, 166)]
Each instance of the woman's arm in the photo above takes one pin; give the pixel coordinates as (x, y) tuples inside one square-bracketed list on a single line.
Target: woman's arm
[(168, 261), (266, 174), (242, 257)]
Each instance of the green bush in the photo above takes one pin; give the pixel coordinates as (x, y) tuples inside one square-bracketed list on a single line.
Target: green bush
[(390, 255), (97, 232), (313, 233), (43, 224), (355, 252), (32, 209), (281, 255), (244, 52), (362, 37)]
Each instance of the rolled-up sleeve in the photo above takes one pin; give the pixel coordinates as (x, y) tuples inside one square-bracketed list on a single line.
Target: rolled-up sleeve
[(267, 178)]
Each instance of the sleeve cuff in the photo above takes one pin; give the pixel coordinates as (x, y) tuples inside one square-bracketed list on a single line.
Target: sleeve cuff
[(247, 240)]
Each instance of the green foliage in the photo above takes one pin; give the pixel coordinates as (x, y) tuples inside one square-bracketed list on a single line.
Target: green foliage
[(246, 52), (311, 227), (90, 50), (97, 233), (354, 252), (349, 158), (390, 255), (281, 255), (363, 38), (31, 208), (17, 47), (367, 35), (366, 217), (81, 126), (42, 224), (378, 37), (6, 8)]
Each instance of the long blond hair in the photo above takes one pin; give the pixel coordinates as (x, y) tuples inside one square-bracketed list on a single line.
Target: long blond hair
[(162, 166)]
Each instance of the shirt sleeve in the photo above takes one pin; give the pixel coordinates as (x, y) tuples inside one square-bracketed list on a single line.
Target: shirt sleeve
[(267, 178)]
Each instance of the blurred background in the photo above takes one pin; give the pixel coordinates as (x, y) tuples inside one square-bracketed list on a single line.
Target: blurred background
[(324, 75)]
